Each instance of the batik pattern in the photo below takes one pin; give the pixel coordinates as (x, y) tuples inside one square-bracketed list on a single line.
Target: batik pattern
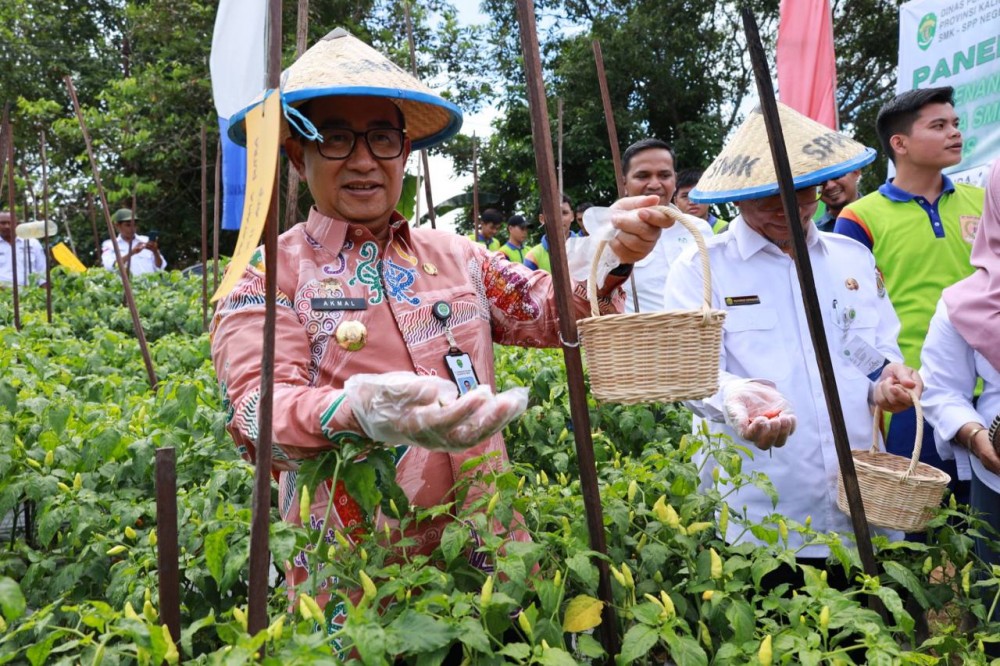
[(398, 281), (366, 273), (320, 325), (419, 326), (507, 290)]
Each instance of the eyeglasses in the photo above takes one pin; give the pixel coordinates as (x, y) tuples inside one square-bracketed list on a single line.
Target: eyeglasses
[(384, 143)]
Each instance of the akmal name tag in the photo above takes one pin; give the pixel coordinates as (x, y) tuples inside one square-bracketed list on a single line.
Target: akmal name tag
[(326, 304)]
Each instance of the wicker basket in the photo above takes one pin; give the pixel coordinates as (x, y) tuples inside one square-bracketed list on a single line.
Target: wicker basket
[(897, 493), (654, 357)]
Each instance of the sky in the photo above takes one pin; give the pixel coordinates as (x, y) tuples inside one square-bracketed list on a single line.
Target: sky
[(445, 183)]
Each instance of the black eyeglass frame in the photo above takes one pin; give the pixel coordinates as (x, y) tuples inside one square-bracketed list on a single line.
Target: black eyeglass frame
[(354, 142)]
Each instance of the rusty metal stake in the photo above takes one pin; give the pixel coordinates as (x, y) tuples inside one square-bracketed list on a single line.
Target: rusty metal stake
[(551, 204)]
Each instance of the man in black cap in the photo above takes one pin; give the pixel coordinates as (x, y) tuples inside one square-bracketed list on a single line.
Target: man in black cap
[(141, 254), (517, 234)]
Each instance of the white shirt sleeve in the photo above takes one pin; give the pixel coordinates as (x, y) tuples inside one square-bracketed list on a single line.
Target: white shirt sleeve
[(948, 368), (108, 255), (684, 289)]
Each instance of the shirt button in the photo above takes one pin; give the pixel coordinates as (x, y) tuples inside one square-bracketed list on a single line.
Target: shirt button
[(357, 232)]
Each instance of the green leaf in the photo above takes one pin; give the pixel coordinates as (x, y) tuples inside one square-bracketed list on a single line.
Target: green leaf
[(894, 605), (39, 652), (589, 646), (557, 657), (12, 601), (908, 580), (188, 633), (473, 636), (685, 650), (215, 553), (8, 396), (359, 480), (581, 566), (516, 651), (316, 470), (638, 641), (741, 619), (453, 541), (417, 632)]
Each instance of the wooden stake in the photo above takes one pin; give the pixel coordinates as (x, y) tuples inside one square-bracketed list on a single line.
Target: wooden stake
[(616, 157), (260, 556), (551, 204), (204, 229), (45, 225), (477, 226), (12, 201), (807, 285), (292, 195), (166, 544), (216, 204), (559, 142), (126, 283), (93, 224), (423, 153)]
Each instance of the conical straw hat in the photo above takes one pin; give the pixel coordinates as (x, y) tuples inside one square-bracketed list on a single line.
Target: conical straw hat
[(341, 64), (744, 169)]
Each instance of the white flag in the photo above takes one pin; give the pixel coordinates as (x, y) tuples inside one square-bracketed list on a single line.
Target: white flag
[(239, 54)]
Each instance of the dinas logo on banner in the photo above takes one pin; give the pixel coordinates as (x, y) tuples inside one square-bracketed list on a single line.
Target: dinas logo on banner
[(957, 43), (925, 31)]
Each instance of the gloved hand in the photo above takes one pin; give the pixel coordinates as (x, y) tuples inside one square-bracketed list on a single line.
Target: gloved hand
[(758, 413), (405, 408)]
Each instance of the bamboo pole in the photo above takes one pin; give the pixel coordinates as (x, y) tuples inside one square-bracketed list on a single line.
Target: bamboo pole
[(559, 142), (166, 545), (807, 285), (616, 157), (12, 200), (260, 555), (204, 229), (477, 226), (431, 213), (551, 204), (126, 283), (292, 195), (93, 224), (45, 226), (216, 204)]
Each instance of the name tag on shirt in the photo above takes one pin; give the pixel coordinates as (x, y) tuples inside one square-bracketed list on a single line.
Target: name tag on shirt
[(742, 300), (329, 304), (864, 357)]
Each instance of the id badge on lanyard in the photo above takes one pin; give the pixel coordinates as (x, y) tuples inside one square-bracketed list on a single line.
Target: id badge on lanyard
[(459, 364)]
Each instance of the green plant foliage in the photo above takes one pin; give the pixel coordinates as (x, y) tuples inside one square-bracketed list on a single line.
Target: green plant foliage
[(80, 428)]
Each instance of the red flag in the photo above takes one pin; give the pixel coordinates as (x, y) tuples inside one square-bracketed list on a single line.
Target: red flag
[(807, 71)]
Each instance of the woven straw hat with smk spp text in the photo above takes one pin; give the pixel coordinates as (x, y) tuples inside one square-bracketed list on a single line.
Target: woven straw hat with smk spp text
[(744, 169), (341, 65)]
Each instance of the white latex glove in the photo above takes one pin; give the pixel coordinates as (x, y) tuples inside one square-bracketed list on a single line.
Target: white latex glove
[(758, 413), (405, 408)]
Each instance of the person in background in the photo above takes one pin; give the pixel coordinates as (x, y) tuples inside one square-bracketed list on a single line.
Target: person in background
[(489, 224), (649, 170), (961, 348), (580, 210), (538, 256), (687, 179), (141, 254), (770, 393), (919, 226), (835, 194), (517, 234), (29, 252)]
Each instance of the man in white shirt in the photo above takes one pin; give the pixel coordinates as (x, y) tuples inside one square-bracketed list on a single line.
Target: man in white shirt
[(140, 253), (649, 169), (29, 252), (770, 392)]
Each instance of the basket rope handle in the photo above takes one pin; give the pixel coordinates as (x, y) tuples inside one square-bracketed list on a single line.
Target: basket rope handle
[(687, 221), (915, 458)]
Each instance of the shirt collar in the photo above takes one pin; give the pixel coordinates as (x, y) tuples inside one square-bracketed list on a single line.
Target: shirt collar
[(332, 233), (898, 194), (749, 242)]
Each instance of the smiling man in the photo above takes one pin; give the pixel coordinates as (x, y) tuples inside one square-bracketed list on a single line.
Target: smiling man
[(920, 227), (835, 194), (384, 333)]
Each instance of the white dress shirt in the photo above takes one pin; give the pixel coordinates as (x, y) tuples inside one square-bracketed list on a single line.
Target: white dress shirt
[(33, 258), (766, 336), (141, 262), (651, 273), (949, 368)]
